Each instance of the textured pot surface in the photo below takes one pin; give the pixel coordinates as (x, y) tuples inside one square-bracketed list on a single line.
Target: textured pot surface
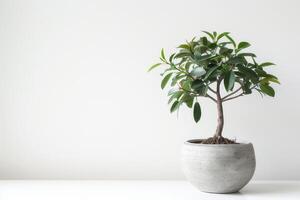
[(218, 168)]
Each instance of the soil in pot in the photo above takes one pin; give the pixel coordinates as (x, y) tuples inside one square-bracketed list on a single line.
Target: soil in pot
[(214, 140)]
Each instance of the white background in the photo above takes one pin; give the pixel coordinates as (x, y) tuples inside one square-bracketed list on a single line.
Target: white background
[(76, 101)]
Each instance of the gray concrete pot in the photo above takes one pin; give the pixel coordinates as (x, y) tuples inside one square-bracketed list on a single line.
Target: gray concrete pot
[(218, 168)]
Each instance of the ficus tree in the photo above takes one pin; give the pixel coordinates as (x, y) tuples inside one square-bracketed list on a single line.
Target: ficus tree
[(202, 66)]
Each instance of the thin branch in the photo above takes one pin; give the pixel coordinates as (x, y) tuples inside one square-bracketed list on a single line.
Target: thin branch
[(211, 98), (224, 98), (213, 91), (207, 95), (186, 90), (186, 73), (233, 97), (227, 99)]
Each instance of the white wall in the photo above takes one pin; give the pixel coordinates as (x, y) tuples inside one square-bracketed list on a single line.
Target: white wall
[(76, 101)]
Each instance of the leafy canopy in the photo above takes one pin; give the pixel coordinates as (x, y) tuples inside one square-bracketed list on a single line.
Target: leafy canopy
[(214, 58)]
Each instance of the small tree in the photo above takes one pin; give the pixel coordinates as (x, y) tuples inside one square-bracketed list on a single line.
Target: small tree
[(201, 66)]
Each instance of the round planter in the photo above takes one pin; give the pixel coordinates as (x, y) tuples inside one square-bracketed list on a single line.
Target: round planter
[(218, 168)]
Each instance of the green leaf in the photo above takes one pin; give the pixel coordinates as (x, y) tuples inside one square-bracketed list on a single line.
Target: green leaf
[(231, 40), (270, 76), (172, 91), (243, 45), (202, 91), (209, 34), (186, 84), (184, 46), (187, 66), (223, 44), (199, 87), (249, 73), (197, 112), (189, 102), (196, 84), (266, 64), (222, 35), (176, 78), (203, 41), (239, 74), (261, 72), (247, 54), (171, 57), (165, 80), (162, 54), (229, 80), (236, 60), (200, 57), (215, 34), (201, 49), (269, 79), (274, 80), (170, 100), (154, 66), (197, 72), (267, 89), (246, 87), (225, 51), (210, 71), (175, 95), (182, 54), (186, 98), (212, 45), (174, 106)]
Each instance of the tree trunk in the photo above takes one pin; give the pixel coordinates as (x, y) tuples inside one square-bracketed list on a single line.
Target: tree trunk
[(220, 112)]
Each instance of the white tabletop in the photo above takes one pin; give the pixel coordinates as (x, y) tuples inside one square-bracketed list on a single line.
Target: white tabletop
[(139, 190)]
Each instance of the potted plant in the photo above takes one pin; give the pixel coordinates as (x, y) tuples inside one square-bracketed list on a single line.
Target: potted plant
[(214, 66)]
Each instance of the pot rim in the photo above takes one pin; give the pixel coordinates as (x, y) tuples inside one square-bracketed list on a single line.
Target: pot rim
[(190, 142)]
